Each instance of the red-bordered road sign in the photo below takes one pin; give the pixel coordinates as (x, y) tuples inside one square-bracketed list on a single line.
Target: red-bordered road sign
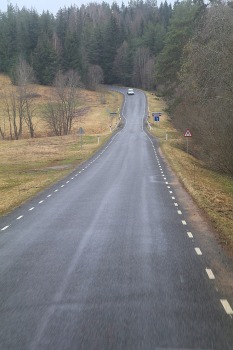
[(187, 133)]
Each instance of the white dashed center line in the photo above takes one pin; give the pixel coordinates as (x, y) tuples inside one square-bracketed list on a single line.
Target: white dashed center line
[(19, 217), (32, 208), (198, 251), (4, 228), (210, 274), (41, 202), (184, 222), (190, 234), (226, 306)]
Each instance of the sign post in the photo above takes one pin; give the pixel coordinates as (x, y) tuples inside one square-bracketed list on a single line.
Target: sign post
[(156, 116), (80, 133), (187, 134)]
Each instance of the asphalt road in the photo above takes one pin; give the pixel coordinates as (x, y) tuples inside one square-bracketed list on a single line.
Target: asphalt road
[(106, 259)]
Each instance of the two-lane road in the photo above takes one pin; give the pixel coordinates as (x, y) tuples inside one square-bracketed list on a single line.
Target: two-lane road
[(105, 259)]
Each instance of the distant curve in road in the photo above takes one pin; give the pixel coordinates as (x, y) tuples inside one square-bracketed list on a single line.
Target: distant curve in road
[(105, 259)]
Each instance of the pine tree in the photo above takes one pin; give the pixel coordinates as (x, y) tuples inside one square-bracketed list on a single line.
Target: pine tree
[(45, 62)]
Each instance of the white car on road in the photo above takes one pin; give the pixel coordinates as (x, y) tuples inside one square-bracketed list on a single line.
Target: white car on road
[(130, 92)]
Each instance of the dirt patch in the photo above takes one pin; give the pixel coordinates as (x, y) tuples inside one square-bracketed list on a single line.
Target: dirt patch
[(59, 167)]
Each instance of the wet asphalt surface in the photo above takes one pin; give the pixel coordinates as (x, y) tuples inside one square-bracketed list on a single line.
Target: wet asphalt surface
[(104, 259)]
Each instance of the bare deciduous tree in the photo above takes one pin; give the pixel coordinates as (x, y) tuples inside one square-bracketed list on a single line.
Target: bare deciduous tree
[(60, 111), (143, 72), (18, 100), (95, 76), (205, 94)]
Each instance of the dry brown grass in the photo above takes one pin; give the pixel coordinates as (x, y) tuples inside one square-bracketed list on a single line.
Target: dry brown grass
[(92, 114), (28, 166), (213, 192)]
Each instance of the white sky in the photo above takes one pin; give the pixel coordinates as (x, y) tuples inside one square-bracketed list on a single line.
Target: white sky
[(53, 5), (50, 5)]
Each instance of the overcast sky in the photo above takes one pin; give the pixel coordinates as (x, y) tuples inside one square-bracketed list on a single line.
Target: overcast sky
[(53, 5)]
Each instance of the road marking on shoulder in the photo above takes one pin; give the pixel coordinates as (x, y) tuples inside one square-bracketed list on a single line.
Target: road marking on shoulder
[(19, 217), (210, 274), (32, 208), (226, 306), (198, 251), (4, 228), (184, 222), (190, 234)]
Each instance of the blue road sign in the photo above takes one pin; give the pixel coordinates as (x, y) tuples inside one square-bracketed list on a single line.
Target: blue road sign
[(156, 118)]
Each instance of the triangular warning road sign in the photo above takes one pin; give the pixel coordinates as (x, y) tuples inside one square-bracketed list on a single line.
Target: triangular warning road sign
[(187, 133)]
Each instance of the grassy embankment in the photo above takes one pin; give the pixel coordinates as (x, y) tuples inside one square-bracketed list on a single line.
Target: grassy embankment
[(212, 191), (27, 166)]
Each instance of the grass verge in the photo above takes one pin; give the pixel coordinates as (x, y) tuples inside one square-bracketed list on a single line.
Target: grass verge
[(212, 191), (28, 166)]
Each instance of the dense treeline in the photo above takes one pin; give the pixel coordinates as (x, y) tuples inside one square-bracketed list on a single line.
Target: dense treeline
[(195, 72), (184, 52), (120, 43)]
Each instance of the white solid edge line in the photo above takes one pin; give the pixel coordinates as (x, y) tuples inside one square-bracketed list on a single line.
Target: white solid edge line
[(210, 274), (226, 306)]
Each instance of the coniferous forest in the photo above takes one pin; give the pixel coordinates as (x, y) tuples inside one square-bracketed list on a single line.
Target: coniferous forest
[(183, 52)]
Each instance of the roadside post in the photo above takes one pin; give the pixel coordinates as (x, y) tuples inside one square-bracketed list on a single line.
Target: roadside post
[(112, 115), (187, 134), (81, 132)]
